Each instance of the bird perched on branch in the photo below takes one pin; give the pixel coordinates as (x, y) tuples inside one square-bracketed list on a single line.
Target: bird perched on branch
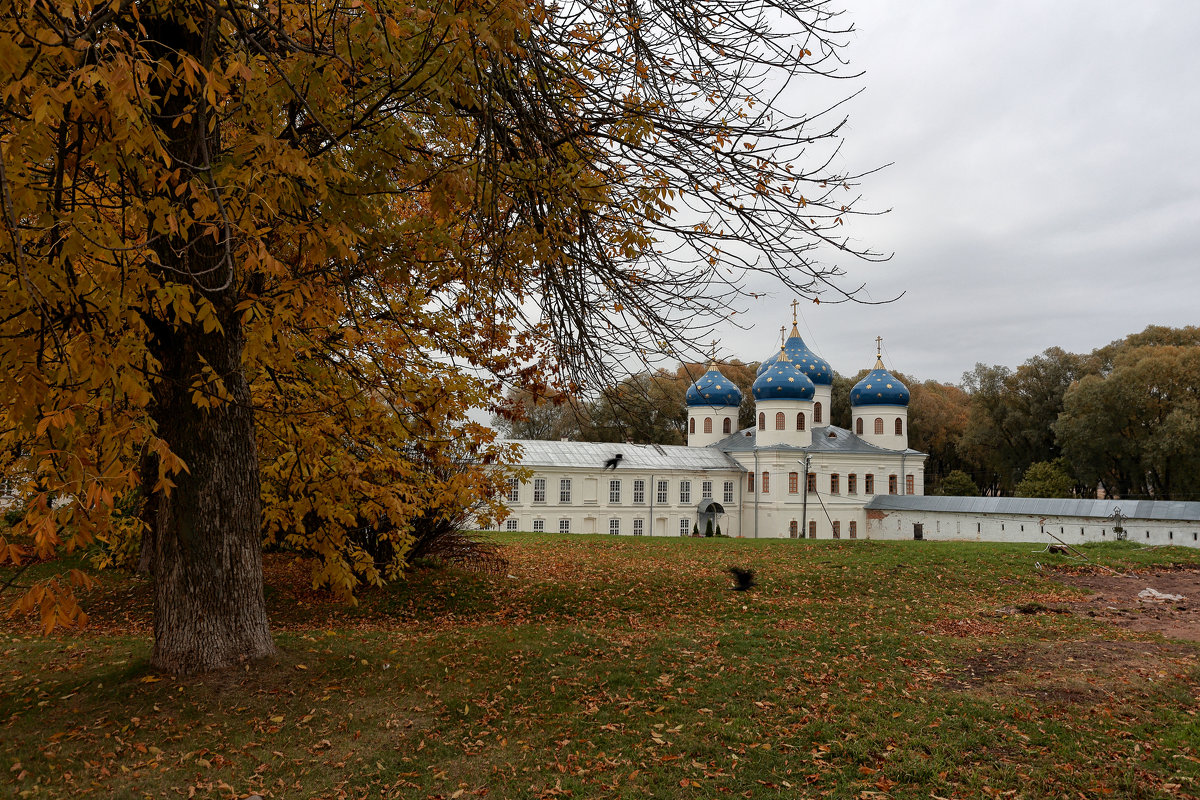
[(743, 579), (612, 462)]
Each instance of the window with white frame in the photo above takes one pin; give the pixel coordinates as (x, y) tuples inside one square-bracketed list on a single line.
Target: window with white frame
[(539, 525), (514, 490), (728, 492), (510, 525), (614, 491), (539, 490), (639, 491), (564, 490), (637, 527), (705, 490), (685, 527), (685, 491), (564, 526), (662, 491), (614, 527)]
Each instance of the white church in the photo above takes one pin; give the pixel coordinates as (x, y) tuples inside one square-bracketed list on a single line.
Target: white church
[(793, 474)]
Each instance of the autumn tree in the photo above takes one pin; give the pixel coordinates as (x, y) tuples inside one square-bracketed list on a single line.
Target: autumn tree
[(1136, 429), (247, 248), (1045, 479), (957, 483), (1011, 413)]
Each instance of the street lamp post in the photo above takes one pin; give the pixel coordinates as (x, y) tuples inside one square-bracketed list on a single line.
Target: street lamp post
[(804, 504)]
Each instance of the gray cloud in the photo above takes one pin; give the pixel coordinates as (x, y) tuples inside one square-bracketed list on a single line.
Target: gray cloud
[(1045, 186)]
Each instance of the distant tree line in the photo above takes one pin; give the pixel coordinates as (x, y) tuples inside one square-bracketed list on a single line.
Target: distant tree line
[(1124, 418)]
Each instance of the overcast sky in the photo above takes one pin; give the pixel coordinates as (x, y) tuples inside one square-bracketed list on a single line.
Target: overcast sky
[(1044, 187)]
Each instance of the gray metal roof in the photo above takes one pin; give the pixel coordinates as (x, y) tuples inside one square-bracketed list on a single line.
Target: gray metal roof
[(584, 455), (830, 439), (1039, 507)]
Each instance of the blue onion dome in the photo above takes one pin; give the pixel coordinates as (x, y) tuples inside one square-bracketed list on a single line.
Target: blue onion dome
[(713, 389), (811, 364), (782, 380), (879, 388)]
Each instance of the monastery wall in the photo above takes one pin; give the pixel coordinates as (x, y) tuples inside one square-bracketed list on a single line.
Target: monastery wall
[(959, 526)]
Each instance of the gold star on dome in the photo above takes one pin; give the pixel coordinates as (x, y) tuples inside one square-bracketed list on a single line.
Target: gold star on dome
[(791, 380), (889, 386), (868, 386)]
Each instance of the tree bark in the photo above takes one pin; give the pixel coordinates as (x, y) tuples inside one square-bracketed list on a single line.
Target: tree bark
[(209, 611)]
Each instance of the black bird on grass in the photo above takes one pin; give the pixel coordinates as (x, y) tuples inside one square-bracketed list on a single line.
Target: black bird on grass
[(612, 462), (743, 579)]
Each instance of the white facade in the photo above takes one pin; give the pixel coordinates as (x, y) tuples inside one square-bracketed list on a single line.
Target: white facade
[(755, 476)]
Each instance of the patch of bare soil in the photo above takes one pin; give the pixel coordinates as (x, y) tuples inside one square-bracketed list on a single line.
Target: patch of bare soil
[(1123, 600), (1074, 673)]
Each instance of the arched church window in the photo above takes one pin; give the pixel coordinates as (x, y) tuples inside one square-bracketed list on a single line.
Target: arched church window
[(692, 425), (728, 425), (780, 423), (708, 425), (800, 421), (878, 426), (762, 421), (816, 413), (858, 426), (899, 427)]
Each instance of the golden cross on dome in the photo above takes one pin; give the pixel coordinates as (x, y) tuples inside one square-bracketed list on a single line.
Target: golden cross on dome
[(713, 354), (782, 335), (794, 304), (879, 347)]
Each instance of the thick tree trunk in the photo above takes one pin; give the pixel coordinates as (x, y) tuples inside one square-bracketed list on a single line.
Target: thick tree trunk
[(209, 611), (207, 534)]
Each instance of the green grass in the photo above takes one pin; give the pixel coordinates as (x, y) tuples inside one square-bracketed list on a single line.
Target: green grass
[(606, 667)]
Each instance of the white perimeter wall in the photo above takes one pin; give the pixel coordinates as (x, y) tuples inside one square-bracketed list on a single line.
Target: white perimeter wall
[(953, 526)]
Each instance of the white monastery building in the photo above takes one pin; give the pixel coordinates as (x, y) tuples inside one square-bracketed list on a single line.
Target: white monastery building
[(791, 475)]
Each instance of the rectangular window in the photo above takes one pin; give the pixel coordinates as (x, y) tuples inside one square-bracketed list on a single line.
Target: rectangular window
[(539, 525), (812, 529), (685, 491), (835, 484), (637, 527), (870, 483), (539, 490), (728, 491), (794, 529), (685, 527), (614, 527), (908, 484), (837, 530), (766, 482), (749, 481), (639, 491), (853, 530), (852, 483), (662, 491), (812, 482), (510, 525), (514, 490), (705, 490), (564, 490), (564, 526), (892, 484), (614, 491), (793, 484)]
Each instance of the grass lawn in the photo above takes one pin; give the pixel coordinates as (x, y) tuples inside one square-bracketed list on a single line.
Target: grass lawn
[(619, 667)]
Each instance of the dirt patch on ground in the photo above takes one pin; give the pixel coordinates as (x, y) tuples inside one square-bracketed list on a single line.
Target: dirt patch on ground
[(1074, 672), (1118, 598)]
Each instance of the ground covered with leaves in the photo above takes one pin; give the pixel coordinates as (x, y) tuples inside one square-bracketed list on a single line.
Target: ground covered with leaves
[(620, 667)]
